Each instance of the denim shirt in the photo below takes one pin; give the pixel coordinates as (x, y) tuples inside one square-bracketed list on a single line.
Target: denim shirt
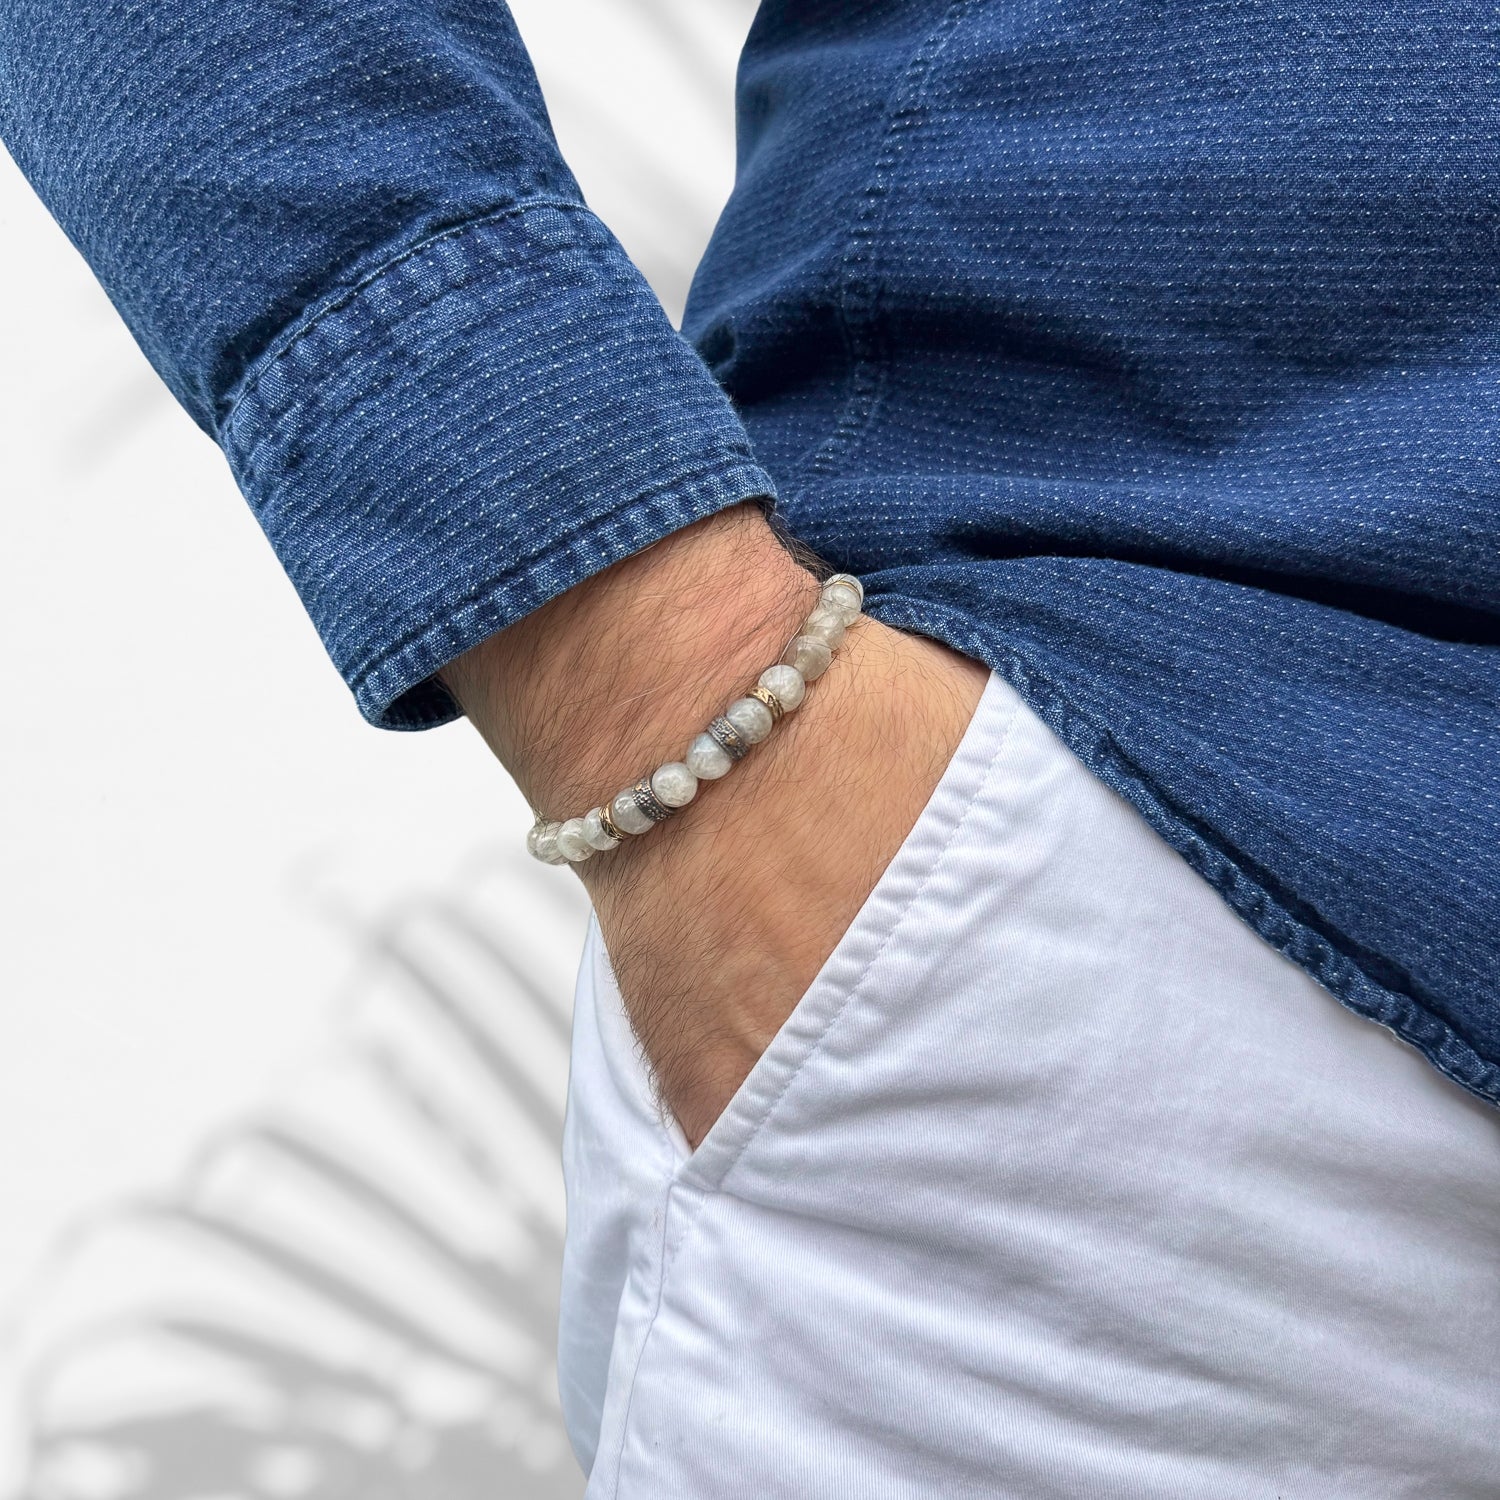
[(1147, 350)]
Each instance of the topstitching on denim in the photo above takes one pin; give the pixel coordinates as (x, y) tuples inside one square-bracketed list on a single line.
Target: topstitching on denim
[(858, 294)]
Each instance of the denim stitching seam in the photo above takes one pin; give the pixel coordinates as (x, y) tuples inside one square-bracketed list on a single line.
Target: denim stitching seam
[(859, 289), (311, 318)]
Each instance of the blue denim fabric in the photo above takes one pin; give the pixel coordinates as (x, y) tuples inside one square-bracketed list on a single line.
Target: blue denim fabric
[(1149, 351)]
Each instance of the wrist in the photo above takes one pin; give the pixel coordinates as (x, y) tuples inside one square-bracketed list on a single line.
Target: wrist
[(721, 917), (745, 894), (601, 683)]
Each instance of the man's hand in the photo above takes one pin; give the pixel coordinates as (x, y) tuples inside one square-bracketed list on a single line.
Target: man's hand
[(717, 921)]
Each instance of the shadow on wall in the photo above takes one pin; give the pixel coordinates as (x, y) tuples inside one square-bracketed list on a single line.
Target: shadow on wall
[(354, 1295)]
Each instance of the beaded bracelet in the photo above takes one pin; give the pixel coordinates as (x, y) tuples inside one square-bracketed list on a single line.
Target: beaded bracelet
[(723, 744)]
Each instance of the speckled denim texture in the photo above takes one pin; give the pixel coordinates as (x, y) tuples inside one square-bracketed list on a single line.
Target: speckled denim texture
[(1145, 349)]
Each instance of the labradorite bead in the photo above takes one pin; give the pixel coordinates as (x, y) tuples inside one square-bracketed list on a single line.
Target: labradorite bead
[(541, 843), (786, 684), (627, 815), (844, 594), (674, 784), (827, 624), (572, 842), (810, 655), (751, 718), (595, 831), (707, 759)]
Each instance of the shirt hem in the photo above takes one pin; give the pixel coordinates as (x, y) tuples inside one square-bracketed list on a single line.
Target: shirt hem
[(1321, 954)]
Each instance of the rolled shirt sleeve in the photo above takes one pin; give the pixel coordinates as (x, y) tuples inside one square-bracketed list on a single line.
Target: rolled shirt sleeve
[(344, 236)]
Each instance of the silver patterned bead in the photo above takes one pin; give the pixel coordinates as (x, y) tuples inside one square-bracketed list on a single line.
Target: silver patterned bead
[(728, 738), (648, 802)]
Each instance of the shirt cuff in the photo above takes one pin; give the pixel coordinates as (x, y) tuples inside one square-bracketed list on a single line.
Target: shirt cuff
[(488, 419)]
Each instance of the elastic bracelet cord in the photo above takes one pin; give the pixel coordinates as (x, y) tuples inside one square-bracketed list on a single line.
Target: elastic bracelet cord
[(727, 740)]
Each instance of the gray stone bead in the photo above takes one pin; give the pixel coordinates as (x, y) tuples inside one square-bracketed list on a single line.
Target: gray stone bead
[(675, 784), (628, 817), (707, 759), (810, 655), (541, 843), (845, 593), (786, 684), (751, 717), (827, 623), (595, 831), (572, 842)]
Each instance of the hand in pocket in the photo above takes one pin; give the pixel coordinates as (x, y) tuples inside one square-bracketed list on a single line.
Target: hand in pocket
[(719, 922)]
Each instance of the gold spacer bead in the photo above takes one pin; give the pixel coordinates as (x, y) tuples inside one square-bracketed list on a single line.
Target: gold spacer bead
[(771, 701), (610, 826)]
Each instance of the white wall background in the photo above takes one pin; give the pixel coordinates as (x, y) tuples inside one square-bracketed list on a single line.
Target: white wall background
[(191, 812)]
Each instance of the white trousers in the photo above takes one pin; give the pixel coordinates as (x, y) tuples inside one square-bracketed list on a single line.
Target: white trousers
[(1058, 1183)]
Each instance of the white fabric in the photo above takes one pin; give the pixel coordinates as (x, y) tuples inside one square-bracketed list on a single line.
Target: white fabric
[(1058, 1183)]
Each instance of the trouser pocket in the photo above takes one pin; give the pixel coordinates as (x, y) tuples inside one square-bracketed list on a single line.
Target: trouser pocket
[(633, 1181), (896, 894)]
